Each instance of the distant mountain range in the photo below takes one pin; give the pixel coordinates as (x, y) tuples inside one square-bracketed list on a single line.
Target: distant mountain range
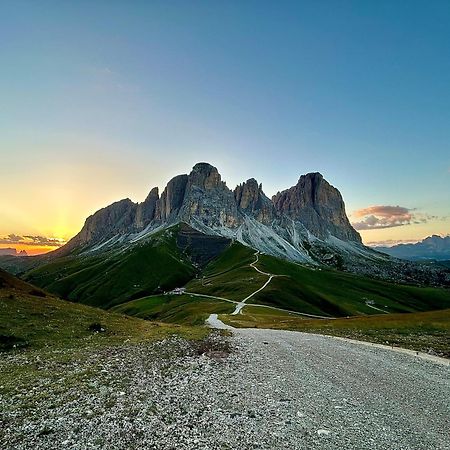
[(12, 252), (431, 248)]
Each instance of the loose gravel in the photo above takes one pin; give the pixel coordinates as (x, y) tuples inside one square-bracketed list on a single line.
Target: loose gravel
[(274, 390)]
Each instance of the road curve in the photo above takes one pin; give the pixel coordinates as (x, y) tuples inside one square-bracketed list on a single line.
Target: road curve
[(317, 392)]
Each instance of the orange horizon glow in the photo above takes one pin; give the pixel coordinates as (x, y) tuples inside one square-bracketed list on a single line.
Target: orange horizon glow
[(32, 250)]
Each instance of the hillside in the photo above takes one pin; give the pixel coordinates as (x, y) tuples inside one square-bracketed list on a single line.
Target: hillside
[(31, 318), (311, 290), (116, 276)]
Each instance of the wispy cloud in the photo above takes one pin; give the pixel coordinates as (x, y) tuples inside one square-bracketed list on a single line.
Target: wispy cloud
[(391, 242), (12, 239), (386, 216)]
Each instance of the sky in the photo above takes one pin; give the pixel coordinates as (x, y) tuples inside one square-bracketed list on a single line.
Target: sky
[(104, 100)]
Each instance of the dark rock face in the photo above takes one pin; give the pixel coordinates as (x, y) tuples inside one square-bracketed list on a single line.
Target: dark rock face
[(171, 199), (318, 206), (114, 219), (146, 210), (206, 177), (251, 199), (201, 248)]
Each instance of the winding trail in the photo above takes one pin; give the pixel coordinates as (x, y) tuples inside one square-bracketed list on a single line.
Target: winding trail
[(377, 309), (241, 304)]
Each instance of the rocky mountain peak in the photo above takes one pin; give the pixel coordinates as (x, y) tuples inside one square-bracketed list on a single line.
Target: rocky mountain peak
[(154, 193), (147, 209), (205, 176), (118, 217), (251, 199), (208, 201), (247, 193), (318, 205)]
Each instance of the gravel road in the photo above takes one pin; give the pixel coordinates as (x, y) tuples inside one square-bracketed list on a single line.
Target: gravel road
[(275, 390)]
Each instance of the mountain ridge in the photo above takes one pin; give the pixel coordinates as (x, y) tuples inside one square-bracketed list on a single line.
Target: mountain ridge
[(309, 211), (433, 247)]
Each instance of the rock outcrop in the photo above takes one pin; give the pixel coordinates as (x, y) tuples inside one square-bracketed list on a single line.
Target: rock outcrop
[(146, 210), (318, 206), (171, 199), (208, 200), (251, 199), (117, 218)]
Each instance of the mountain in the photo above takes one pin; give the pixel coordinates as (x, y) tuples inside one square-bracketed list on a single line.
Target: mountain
[(431, 248), (299, 224), (12, 252)]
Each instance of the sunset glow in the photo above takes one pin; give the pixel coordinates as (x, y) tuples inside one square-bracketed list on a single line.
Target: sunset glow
[(99, 121)]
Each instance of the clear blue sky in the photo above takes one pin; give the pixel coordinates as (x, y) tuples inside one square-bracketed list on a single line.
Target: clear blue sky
[(101, 100)]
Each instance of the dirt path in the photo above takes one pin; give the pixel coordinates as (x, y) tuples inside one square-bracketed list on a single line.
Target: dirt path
[(242, 303), (276, 390)]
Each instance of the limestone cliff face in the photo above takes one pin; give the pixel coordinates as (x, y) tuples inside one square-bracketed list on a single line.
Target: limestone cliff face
[(145, 212), (318, 206), (208, 200), (117, 218), (251, 199), (171, 199)]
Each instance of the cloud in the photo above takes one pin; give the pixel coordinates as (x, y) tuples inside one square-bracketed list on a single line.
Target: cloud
[(385, 216), (11, 239), (382, 211), (42, 240), (391, 242), (31, 240)]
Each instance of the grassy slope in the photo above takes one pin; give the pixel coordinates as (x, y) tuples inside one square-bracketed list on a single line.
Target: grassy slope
[(338, 293), (423, 331), (35, 322), (312, 291), (117, 277), (183, 309), (45, 340), (229, 275)]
